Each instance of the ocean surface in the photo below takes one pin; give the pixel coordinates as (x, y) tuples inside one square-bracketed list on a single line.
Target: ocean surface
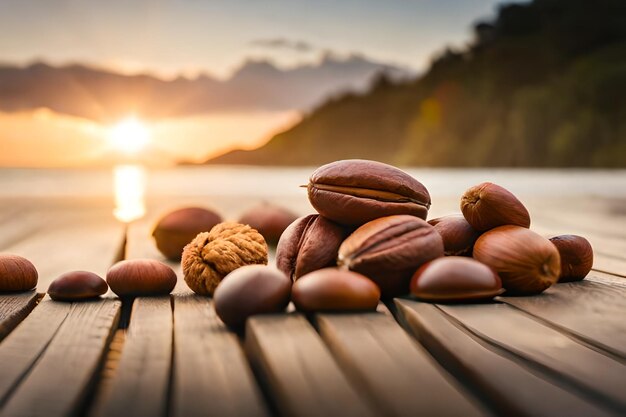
[(267, 182)]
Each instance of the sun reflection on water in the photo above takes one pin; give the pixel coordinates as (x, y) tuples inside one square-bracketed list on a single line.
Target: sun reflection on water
[(129, 185)]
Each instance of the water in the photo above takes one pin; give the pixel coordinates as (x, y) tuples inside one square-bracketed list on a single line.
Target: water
[(268, 182)]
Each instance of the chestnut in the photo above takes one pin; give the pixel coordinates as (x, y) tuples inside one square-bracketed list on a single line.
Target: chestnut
[(250, 290), (16, 274), (576, 257), (138, 277), (455, 279), (269, 220), (526, 262), (77, 285), (457, 234), (333, 289), (179, 227), (488, 205)]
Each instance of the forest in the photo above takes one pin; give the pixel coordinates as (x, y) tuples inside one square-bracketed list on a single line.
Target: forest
[(542, 85)]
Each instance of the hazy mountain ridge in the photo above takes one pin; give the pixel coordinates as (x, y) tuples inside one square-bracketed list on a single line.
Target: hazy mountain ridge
[(544, 84), (257, 85)]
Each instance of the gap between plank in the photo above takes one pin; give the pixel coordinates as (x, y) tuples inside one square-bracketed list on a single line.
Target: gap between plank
[(578, 339), (32, 365), (542, 371)]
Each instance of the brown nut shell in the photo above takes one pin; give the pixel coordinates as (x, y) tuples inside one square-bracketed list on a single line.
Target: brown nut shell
[(77, 285), (488, 205), (455, 279), (576, 257), (17, 274), (212, 255), (355, 191), (141, 277), (457, 234), (250, 290), (309, 243), (332, 289), (526, 262), (389, 250), (179, 227), (269, 220)]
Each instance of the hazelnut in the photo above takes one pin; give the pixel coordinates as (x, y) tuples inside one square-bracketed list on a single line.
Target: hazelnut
[(179, 227), (138, 277), (389, 250), (269, 220), (576, 257), (455, 279), (332, 289), (212, 255), (526, 262), (250, 290), (457, 234), (488, 205), (77, 285), (309, 243), (16, 274)]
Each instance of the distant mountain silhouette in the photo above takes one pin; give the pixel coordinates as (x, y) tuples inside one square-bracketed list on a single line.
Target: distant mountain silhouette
[(257, 85), (544, 84)]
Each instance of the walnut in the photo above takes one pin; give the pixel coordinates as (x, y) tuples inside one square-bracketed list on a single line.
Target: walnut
[(210, 256)]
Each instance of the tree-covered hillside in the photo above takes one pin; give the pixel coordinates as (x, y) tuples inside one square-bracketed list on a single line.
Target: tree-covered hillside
[(544, 84)]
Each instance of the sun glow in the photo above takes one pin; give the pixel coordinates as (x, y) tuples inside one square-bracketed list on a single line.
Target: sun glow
[(129, 136), (129, 185)]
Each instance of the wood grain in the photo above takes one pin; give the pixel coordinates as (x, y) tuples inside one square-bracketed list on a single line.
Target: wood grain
[(593, 374), (211, 373), (301, 375), (59, 382), (604, 278), (89, 243), (140, 386), (509, 386), (23, 347), (14, 308), (395, 372), (588, 310)]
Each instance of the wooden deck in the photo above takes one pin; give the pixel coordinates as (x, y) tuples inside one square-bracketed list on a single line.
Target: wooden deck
[(560, 353)]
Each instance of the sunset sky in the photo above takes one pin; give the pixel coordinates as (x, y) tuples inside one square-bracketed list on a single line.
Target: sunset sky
[(189, 37)]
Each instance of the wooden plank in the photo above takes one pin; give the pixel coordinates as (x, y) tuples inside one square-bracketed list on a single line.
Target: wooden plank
[(590, 311), (140, 386), (595, 221), (512, 388), (592, 373), (299, 371), (59, 382), (23, 347), (14, 308), (395, 372), (211, 373), (92, 244), (604, 278), (19, 224)]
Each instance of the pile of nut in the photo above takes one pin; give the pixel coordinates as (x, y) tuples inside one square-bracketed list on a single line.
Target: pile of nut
[(369, 240)]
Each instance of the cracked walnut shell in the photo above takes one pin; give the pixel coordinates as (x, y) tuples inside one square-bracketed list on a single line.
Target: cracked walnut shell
[(210, 256)]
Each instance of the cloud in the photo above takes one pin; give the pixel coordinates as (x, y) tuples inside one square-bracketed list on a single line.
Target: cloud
[(284, 43)]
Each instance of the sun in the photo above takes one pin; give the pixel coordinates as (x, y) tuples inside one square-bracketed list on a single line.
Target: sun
[(129, 135)]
